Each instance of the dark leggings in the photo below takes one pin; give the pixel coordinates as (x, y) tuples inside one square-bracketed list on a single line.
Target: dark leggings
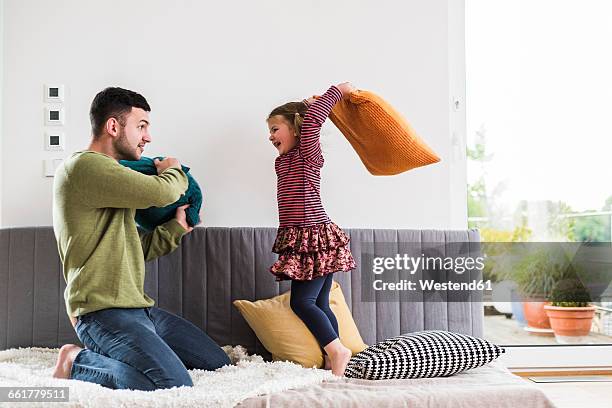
[(310, 301)]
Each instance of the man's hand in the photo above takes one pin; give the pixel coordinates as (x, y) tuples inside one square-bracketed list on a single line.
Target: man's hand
[(181, 217), (166, 163), (346, 88)]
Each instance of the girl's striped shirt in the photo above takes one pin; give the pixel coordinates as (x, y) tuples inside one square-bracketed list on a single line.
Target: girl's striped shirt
[(299, 170)]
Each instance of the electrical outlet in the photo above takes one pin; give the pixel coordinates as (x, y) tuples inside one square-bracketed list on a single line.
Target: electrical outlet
[(51, 165)]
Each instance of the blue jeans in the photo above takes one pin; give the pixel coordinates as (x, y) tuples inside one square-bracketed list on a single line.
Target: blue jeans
[(142, 349), (310, 301)]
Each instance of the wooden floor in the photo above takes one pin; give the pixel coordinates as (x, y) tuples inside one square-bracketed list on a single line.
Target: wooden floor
[(502, 331), (578, 394)]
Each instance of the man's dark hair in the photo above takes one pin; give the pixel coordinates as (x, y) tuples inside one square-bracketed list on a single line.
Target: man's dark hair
[(114, 102)]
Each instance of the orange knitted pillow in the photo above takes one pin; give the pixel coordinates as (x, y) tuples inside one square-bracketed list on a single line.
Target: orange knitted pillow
[(382, 138)]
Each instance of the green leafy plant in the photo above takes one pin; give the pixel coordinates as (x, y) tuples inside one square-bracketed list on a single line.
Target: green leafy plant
[(570, 293), (538, 268), (495, 243), (535, 274)]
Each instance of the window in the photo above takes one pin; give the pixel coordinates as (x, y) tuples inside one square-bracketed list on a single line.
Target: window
[(539, 102)]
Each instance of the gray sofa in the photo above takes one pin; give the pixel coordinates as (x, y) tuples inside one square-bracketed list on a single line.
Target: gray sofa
[(215, 266), (199, 281)]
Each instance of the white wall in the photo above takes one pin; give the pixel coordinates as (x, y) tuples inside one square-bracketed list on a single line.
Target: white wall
[(213, 70), (1, 99)]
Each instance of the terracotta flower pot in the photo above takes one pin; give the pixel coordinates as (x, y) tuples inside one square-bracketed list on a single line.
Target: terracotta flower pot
[(570, 321), (535, 315)]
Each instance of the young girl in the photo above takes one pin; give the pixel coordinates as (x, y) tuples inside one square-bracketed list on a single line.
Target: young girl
[(310, 247)]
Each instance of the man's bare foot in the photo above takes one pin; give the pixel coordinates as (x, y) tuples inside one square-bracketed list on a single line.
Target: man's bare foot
[(339, 356), (66, 357)]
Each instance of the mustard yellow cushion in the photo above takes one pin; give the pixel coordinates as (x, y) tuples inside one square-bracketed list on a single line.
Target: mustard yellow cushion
[(383, 139), (286, 337)]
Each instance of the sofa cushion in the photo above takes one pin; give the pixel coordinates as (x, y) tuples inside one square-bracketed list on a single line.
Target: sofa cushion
[(286, 337), (421, 355)]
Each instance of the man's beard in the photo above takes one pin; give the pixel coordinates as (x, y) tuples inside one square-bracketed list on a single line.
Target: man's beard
[(123, 149)]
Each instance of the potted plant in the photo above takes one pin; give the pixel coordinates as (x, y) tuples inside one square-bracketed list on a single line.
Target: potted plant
[(570, 313), (535, 268), (535, 274)]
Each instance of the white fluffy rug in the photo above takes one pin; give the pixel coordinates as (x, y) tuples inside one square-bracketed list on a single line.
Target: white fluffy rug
[(226, 387)]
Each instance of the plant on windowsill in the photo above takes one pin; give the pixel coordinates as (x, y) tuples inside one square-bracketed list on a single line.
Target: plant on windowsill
[(570, 311)]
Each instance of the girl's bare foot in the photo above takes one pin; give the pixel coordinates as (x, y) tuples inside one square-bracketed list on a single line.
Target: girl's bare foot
[(66, 357), (327, 362), (340, 361), (339, 356)]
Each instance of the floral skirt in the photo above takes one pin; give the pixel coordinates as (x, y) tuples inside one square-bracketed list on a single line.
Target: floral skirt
[(306, 253)]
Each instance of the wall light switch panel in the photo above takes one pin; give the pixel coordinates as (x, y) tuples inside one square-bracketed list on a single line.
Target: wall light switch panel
[(54, 141), (54, 93), (51, 166), (54, 116)]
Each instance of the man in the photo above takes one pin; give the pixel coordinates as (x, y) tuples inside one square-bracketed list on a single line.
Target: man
[(129, 343)]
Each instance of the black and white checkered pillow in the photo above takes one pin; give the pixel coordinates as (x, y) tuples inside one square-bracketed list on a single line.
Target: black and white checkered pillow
[(421, 355)]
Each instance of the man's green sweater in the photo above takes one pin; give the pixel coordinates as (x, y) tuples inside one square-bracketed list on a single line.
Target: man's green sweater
[(95, 199)]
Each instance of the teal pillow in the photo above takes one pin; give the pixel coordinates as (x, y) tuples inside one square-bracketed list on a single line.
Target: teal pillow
[(151, 217)]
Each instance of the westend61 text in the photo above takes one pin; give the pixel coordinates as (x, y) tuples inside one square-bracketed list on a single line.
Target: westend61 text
[(430, 285)]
